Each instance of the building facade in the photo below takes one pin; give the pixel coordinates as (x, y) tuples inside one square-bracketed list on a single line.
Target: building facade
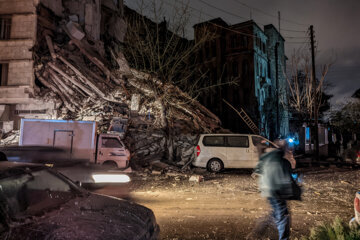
[(19, 27), (18, 24), (240, 70)]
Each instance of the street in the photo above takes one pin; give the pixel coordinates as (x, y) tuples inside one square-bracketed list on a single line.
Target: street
[(229, 206)]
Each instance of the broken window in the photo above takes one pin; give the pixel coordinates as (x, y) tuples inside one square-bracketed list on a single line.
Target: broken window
[(5, 27), (4, 68)]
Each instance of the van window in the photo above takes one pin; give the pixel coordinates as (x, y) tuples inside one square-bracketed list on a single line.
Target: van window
[(108, 142), (238, 141), (214, 141)]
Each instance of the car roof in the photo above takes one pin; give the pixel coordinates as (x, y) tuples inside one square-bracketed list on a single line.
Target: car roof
[(5, 166)]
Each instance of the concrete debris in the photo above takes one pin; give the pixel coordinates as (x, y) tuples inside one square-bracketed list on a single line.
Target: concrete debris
[(75, 30), (55, 6), (196, 178), (6, 126), (10, 138), (117, 28), (154, 172), (74, 18), (89, 83)]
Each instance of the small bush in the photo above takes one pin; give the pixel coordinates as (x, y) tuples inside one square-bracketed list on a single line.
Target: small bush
[(338, 230)]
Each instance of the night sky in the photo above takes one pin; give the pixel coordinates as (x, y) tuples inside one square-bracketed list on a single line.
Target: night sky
[(336, 25)]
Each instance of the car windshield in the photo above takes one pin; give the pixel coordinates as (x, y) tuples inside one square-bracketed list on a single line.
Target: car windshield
[(27, 194)]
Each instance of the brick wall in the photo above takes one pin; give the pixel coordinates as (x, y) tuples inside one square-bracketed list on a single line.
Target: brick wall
[(16, 49), (23, 26), (21, 73), (17, 6)]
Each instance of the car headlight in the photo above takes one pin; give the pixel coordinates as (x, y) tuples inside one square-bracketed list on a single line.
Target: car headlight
[(111, 178)]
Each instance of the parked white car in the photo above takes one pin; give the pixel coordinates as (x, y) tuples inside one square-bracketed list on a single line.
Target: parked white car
[(218, 151)]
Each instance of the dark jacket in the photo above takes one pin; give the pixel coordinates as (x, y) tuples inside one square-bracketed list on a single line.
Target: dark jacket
[(275, 176)]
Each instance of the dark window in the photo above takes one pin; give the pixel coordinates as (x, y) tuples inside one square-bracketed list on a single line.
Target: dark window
[(245, 69), (238, 141), (4, 68), (235, 69), (108, 142), (207, 50), (244, 41), (269, 70), (213, 76), (5, 27), (216, 141), (213, 48), (233, 41)]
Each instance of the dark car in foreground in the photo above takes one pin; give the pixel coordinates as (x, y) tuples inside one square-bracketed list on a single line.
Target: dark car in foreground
[(37, 202)]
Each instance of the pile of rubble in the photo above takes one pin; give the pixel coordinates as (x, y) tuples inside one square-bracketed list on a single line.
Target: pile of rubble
[(91, 82), (10, 138)]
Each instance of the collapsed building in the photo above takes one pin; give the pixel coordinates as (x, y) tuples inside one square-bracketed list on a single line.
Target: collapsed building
[(64, 63)]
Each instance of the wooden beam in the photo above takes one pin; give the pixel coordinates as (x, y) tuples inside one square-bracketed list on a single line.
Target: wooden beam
[(72, 80), (50, 46)]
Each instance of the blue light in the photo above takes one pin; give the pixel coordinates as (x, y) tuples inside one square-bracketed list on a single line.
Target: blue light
[(290, 140)]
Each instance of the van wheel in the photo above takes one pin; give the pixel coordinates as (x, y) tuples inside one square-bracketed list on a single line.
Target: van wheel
[(110, 164), (215, 165)]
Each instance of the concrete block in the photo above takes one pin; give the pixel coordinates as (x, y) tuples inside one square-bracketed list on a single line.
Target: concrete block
[(54, 5), (75, 30)]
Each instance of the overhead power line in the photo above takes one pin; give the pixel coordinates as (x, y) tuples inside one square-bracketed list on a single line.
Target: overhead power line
[(270, 15), (222, 10), (219, 26), (288, 30)]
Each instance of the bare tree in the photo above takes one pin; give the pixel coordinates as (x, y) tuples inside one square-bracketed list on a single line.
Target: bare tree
[(157, 46), (302, 94), (305, 98)]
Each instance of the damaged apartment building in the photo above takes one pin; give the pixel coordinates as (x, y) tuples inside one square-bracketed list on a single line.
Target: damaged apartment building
[(245, 64), (19, 33)]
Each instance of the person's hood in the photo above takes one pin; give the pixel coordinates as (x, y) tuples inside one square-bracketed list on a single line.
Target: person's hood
[(91, 217)]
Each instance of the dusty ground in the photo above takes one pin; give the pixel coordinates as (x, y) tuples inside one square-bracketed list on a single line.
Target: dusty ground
[(228, 205)]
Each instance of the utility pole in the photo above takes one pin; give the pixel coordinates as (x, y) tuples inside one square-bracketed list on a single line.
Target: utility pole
[(279, 20), (314, 93), (277, 89)]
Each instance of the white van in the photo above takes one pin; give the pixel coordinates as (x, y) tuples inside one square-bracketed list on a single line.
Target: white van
[(218, 151)]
